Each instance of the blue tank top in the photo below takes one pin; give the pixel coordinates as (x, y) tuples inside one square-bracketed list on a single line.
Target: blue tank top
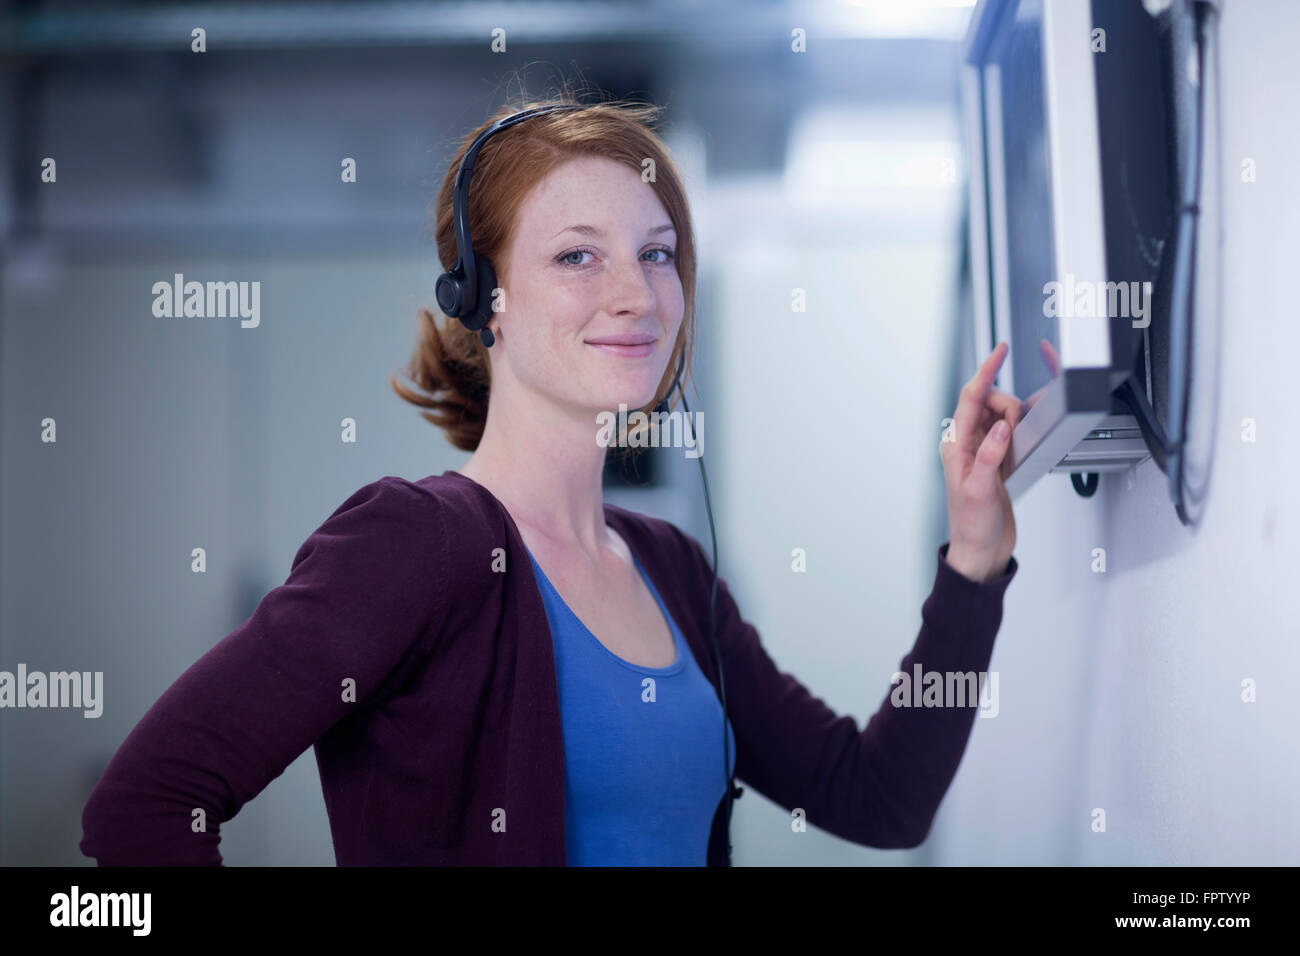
[(642, 753)]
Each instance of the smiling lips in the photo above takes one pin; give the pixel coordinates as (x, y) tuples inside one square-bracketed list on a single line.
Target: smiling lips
[(628, 345)]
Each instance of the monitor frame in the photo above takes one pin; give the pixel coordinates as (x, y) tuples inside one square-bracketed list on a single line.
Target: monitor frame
[(1078, 400)]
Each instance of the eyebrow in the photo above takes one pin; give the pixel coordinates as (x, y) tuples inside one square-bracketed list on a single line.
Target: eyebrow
[(593, 231)]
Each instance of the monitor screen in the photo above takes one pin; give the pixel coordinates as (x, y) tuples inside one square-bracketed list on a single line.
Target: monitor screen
[(1016, 61)]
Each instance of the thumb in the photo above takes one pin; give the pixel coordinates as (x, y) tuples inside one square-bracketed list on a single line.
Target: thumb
[(983, 478)]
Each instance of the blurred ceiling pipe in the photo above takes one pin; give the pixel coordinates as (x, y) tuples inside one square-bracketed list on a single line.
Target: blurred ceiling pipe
[(719, 25)]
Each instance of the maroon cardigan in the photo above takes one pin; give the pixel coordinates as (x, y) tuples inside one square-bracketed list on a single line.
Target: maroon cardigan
[(456, 712)]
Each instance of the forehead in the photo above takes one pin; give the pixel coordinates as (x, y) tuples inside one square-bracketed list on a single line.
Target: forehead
[(589, 189)]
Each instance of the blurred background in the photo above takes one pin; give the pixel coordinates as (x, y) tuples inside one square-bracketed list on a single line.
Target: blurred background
[(837, 171)]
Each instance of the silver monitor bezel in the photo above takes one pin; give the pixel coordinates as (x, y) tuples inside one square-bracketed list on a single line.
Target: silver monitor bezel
[(1079, 398)]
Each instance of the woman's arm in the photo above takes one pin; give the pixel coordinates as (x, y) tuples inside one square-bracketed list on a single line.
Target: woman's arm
[(360, 605), (879, 786)]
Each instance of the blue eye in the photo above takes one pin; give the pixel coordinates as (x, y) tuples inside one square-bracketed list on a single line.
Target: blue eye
[(668, 254), (563, 258)]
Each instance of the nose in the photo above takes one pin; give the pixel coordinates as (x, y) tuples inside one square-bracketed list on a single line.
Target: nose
[(630, 292)]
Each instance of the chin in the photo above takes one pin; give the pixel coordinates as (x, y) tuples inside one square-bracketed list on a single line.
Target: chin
[(630, 398), (633, 391), (630, 401)]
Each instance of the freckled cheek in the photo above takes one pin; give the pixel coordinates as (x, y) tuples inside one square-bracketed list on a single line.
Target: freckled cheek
[(568, 320), (672, 306), (551, 315)]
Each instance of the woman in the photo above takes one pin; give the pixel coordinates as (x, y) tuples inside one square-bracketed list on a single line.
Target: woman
[(494, 666)]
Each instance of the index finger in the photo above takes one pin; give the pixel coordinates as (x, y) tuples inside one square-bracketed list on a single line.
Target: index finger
[(970, 404)]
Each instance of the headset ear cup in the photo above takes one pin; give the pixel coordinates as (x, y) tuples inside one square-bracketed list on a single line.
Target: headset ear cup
[(487, 282), (447, 292)]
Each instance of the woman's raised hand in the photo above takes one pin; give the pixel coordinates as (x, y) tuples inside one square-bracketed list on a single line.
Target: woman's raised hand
[(981, 525)]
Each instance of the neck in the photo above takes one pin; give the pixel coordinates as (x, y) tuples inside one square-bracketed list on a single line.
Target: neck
[(542, 461)]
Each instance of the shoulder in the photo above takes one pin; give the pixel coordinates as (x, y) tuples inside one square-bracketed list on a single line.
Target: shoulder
[(381, 523), (475, 531), (409, 530), (447, 507), (456, 505), (389, 503)]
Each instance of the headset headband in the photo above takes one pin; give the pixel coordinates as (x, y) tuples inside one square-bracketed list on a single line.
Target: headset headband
[(466, 268)]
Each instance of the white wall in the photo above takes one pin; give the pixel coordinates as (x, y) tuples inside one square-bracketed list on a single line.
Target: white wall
[(1122, 690), (824, 424)]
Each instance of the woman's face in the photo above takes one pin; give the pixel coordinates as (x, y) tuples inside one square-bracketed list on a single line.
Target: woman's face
[(591, 264)]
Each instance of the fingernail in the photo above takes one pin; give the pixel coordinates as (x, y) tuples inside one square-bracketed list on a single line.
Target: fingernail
[(1000, 430)]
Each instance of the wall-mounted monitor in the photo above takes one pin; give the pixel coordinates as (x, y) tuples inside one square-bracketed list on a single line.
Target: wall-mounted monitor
[(1040, 275)]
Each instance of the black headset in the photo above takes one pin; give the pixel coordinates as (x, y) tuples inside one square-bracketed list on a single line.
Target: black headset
[(465, 292)]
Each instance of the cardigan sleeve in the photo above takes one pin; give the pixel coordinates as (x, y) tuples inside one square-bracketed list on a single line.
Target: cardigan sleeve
[(358, 606), (878, 786)]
